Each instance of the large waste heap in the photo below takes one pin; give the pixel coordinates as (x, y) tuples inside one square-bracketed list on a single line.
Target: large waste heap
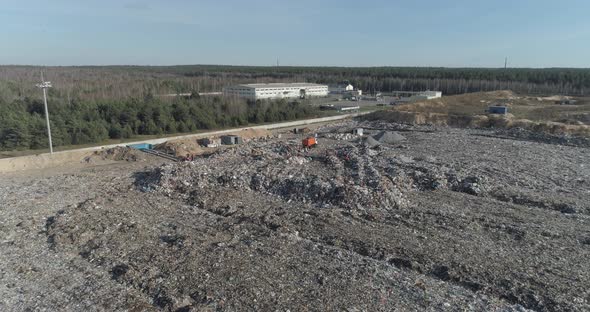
[(343, 177), (408, 226)]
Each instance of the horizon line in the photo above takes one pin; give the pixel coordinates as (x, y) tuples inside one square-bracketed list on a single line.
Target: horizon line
[(286, 66)]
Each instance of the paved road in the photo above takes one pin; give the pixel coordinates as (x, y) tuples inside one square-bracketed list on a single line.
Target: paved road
[(214, 133), (362, 103)]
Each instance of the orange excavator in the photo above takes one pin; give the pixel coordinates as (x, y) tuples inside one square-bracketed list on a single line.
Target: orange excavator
[(309, 142)]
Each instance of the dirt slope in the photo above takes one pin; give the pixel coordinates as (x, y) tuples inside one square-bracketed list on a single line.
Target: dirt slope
[(469, 110)]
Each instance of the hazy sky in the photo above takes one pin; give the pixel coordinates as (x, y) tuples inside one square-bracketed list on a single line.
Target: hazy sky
[(473, 33)]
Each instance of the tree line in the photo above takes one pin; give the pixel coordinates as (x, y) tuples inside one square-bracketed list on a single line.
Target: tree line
[(116, 82), (575, 81), (22, 122)]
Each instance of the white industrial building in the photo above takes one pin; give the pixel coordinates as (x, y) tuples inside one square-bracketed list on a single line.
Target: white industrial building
[(410, 96), (259, 91)]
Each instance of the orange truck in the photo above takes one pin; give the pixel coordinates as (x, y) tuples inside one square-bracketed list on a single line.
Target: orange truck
[(309, 142)]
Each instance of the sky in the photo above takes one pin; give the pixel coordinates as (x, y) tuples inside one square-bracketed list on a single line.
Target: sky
[(446, 33)]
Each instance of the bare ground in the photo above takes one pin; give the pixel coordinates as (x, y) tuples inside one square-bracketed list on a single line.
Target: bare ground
[(445, 220)]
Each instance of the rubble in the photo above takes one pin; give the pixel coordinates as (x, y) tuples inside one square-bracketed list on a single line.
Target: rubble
[(346, 180)]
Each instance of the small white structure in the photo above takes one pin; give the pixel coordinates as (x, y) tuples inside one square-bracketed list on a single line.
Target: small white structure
[(259, 91), (346, 108), (432, 94), (341, 88), (358, 131)]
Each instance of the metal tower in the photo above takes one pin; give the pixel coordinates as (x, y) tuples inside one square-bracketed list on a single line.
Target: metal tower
[(45, 85)]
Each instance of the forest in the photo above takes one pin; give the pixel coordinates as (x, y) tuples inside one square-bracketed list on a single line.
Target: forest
[(90, 104), (22, 122)]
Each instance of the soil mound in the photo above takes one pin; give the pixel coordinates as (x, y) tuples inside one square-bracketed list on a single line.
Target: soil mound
[(118, 153), (389, 137), (370, 142), (180, 148), (249, 134)]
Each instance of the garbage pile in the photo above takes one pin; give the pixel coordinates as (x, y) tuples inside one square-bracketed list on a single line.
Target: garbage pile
[(353, 177), (345, 178), (271, 225)]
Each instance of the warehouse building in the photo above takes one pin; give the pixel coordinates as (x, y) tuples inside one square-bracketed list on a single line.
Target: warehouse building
[(277, 90), (411, 96)]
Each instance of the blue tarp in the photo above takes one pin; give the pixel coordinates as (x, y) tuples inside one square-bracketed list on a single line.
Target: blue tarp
[(141, 146)]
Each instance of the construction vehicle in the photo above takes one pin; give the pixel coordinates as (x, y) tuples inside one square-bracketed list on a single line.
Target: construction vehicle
[(309, 142)]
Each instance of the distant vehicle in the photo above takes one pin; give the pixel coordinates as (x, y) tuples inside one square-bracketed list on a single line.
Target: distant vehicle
[(501, 110), (566, 102)]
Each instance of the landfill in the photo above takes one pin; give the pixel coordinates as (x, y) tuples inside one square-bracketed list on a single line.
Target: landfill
[(403, 218)]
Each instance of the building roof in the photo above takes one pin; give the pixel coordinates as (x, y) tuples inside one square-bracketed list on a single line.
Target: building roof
[(280, 85)]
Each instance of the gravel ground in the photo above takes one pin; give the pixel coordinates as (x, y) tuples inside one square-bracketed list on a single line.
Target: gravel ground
[(428, 219)]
